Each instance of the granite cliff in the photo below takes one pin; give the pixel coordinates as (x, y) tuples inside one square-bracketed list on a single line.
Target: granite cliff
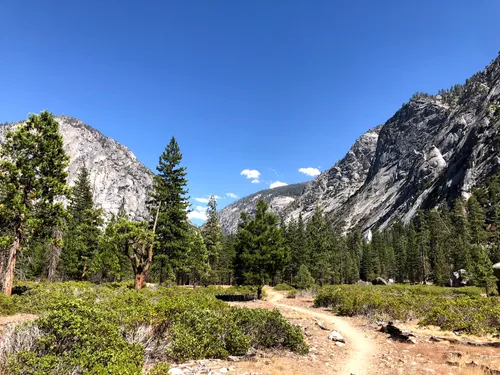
[(432, 150), (115, 172)]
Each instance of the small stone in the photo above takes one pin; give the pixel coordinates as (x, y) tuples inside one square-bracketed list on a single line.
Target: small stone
[(175, 371), (223, 370), (340, 344), (233, 358), (336, 336), (322, 325)]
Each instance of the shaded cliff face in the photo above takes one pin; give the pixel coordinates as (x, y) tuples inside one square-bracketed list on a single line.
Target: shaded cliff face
[(115, 173), (434, 149)]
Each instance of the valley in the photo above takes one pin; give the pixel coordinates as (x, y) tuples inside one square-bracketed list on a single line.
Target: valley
[(284, 188)]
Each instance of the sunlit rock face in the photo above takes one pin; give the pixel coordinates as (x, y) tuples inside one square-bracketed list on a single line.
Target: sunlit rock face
[(115, 173), (434, 149)]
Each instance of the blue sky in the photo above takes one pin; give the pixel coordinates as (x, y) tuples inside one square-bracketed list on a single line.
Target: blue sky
[(267, 86)]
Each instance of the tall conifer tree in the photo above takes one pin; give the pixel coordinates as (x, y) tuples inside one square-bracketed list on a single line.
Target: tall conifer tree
[(82, 236), (33, 181), (170, 192), (212, 233), (260, 248)]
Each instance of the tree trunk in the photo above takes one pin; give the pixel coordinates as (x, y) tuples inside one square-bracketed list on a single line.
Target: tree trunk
[(84, 273), (139, 281), (8, 276), (54, 254), (259, 292)]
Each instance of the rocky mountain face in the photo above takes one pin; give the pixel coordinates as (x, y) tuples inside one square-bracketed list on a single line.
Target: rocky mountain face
[(333, 188), (277, 198), (434, 149), (115, 173)]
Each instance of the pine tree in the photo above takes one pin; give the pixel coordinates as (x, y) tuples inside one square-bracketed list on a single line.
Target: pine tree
[(355, 248), (135, 241), (33, 180), (412, 256), (225, 263), (198, 257), (212, 233), (304, 280), (482, 272), (366, 266), (477, 221), (170, 192), (460, 240), (82, 237), (439, 234), (260, 248), (110, 262), (317, 243), (122, 212), (400, 246), (423, 246)]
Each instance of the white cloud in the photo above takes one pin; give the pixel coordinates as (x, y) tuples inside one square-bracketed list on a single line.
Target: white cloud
[(199, 213), (232, 195), (202, 200), (310, 171), (277, 184), (256, 181), (205, 200), (250, 173)]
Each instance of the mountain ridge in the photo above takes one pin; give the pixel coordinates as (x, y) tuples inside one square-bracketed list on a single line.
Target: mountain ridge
[(115, 172), (432, 150)]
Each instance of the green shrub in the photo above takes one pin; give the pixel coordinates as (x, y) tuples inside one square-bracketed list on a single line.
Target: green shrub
[(7, 306), (104, 328), (304, 280), (269, 329), (291, 294), (476, 316), (76, 336), (283, 287), (161, 368), (458, 309)]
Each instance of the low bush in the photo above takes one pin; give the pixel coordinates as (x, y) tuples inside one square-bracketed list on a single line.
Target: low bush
[(161, 368), (283, 287), (111, 329), (458, 309), (477, 316), (7, 306), (291, 294), (75, 336)]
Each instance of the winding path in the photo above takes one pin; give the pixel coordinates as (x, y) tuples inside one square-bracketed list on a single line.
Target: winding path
[(361, 348)]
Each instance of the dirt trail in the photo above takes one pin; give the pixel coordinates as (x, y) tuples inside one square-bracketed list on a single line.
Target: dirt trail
[(362, 349)]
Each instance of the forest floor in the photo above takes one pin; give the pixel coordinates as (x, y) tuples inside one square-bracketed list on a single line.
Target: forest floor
[(367, 351)]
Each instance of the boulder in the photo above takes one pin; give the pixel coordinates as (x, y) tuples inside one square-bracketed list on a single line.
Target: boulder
[(459, 278), (361, 282), (322, 325), (399, 334), (336, 336), (379, 281), (176, 371), (20, 289)]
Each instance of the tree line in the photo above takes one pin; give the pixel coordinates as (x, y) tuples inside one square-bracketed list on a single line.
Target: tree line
[(43, 238)]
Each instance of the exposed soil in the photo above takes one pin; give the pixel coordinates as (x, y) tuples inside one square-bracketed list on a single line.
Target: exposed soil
[(14, 319), (367, 350)]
